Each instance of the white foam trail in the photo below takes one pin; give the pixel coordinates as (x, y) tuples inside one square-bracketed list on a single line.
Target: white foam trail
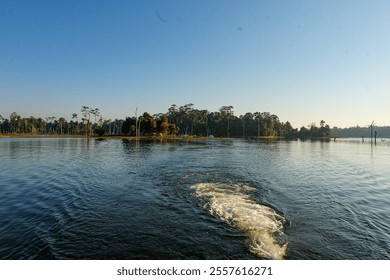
[(232, 204)]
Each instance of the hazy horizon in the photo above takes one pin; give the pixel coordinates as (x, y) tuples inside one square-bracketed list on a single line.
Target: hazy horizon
[(304, 61)]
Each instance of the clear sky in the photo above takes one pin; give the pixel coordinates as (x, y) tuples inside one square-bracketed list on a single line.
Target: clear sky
[(304, 61)]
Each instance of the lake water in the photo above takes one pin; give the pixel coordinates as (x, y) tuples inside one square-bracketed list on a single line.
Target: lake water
[(122, 199)]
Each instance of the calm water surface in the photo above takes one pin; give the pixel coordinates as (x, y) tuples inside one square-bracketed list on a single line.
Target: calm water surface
[(120, 199)]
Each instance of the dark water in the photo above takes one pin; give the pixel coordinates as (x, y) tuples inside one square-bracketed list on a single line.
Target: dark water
[(119, 199)]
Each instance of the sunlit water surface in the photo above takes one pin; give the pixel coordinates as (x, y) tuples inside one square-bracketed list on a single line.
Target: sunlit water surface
[(121, 199)]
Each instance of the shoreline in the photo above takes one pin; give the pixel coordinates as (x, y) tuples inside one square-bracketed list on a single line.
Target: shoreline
[(161, 138), (32, 136)]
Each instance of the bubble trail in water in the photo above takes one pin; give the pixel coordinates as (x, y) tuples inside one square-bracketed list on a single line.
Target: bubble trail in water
[(232, 204)]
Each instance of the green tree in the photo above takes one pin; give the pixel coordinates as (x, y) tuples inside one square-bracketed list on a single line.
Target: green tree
[(50, 124), (14, 121), (62, 123), (173, 114), (86, 112), (259, 118), (148, 125), (75, 125), (185, 118), (128, 126), (246, 121), (227, 113), (162, 124), (324, 130)]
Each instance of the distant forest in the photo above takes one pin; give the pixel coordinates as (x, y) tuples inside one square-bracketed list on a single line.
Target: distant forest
[(358, 132), (177, 121)]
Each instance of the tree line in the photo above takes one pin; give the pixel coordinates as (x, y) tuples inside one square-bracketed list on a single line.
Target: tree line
[(177, 121), (358, 131)]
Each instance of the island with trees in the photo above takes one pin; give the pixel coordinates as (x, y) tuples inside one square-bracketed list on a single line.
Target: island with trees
[(178, 121)]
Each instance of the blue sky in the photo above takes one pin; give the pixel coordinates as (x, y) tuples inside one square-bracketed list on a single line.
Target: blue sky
[(302, 60)]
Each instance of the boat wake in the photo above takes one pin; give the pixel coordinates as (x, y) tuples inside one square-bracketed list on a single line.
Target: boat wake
[(232, 204)]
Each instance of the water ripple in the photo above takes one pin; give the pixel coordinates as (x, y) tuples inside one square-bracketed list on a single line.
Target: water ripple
[(114, 199)]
